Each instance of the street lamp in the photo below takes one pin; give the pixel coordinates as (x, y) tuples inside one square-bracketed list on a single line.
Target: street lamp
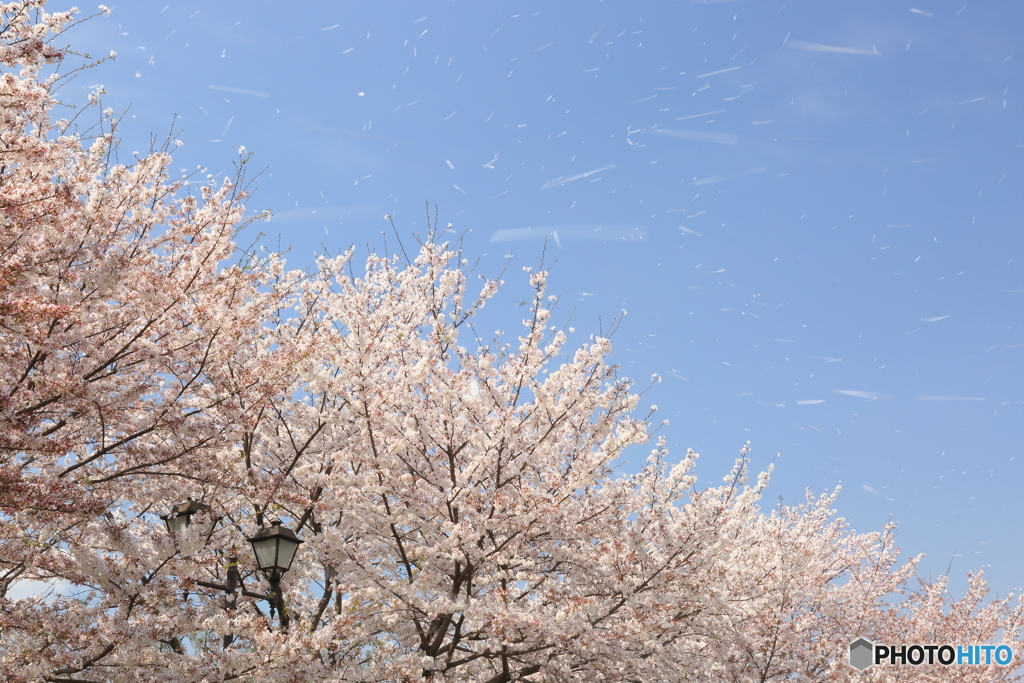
[(275, 549), (180, 515)]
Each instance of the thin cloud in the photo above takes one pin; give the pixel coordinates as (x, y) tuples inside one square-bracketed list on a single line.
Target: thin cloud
[(720, 71), (578, 176), (818, 47), (929, 397), (699, 136), (728, 176), (861, 394), (563, 233), (697, 116), (238, 91)]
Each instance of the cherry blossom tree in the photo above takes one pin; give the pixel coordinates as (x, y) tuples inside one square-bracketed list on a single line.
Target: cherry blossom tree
[(461, 515), (128, 349), (801, 588)]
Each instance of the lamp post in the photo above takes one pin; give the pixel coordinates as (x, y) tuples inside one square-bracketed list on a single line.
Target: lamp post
[(274, 548)]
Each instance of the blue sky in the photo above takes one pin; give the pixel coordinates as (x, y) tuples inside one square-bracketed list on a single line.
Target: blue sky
[(813, 212)]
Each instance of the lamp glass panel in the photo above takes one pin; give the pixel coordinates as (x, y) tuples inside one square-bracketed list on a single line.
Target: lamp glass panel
[(286, 553), (177, 524), (266, 552)]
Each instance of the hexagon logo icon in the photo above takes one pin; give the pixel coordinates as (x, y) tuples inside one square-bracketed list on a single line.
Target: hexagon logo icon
[(861, 651)]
